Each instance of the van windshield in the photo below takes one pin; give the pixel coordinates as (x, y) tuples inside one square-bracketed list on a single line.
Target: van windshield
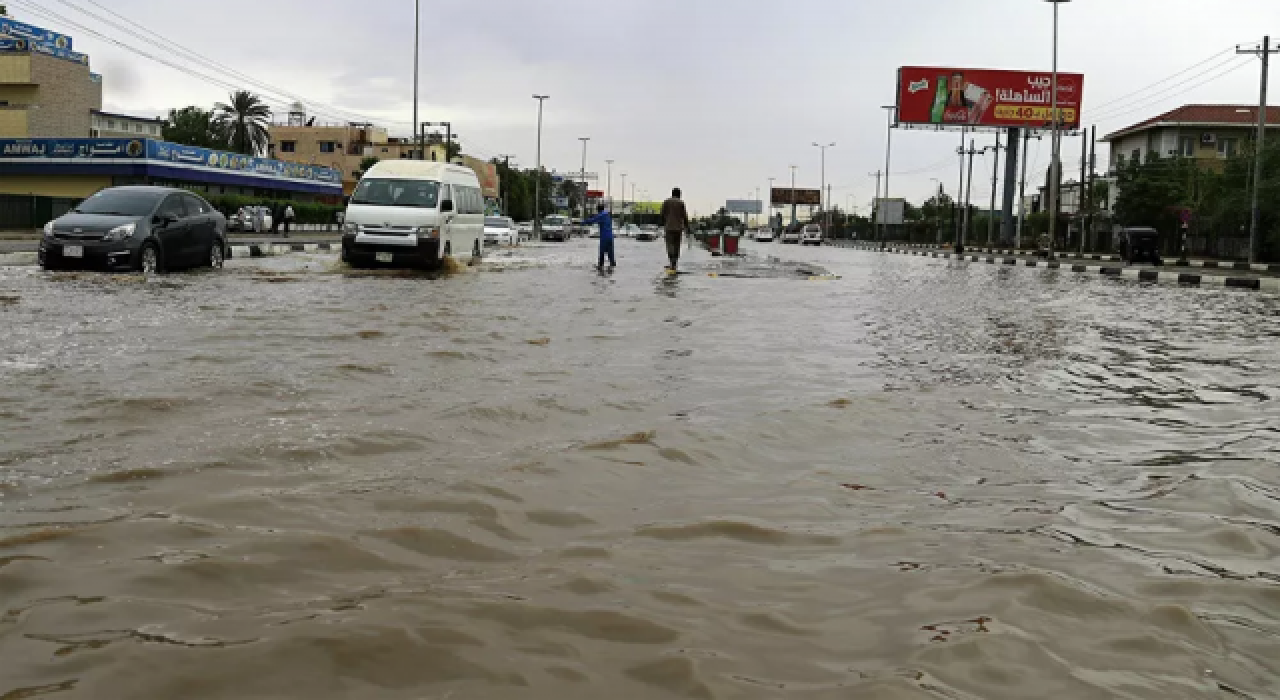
[(420, 194)]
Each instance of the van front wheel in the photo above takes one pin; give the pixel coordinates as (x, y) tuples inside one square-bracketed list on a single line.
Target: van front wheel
[(475, 253)]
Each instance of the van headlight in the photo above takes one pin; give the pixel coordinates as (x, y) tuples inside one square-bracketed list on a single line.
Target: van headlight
[(120, 233), (48, 230), (428, 232)]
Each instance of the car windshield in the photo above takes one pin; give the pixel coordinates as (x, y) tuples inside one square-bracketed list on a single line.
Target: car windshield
[(496, 222), (420, 194), (555, 220), (120, 203)]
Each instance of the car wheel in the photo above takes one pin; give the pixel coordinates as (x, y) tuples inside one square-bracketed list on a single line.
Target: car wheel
[(149, 261), (42, 258), (217, 254)]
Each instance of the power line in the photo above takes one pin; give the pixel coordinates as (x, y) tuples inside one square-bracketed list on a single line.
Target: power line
[(1135, 93), (1164, 97)]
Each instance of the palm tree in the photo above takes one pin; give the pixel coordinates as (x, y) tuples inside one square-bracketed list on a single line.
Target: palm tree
[(244, 122)]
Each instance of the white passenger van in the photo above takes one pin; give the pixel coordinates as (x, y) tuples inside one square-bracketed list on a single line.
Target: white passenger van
[(414, 213)]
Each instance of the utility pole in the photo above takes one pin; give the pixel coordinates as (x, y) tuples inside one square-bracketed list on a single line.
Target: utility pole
[(1093, 172), (608, 188), (827, 205), (1083, 200), (875, 209), (1055, 167), (771, 202), (891, 111), (1255, 216), (968, 197), (417, 132), (1011, 151), (584, 140), (793, 195), (995, 178), (960, 188), (1022, 188), (537, 173)]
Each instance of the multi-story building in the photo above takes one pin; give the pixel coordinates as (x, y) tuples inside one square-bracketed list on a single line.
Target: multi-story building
[(341, 147), (109, 125), (46, 95), (1208, 133)]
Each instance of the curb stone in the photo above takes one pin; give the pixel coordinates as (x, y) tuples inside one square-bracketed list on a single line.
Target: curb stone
[(1143, 275)]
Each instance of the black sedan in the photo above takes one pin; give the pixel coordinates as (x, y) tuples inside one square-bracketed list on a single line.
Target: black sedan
[(152, 229)]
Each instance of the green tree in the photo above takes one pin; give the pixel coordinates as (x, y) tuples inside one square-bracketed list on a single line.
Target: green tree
[(193, 126), (367, 163), (245, 120)]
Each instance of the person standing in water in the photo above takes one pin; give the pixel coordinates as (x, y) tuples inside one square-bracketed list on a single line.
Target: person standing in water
[(675, 219), (605, 222)]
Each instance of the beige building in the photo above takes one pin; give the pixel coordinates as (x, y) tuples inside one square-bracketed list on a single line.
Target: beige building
[(107, 125), (45, 96), (1209, 134), (341, 147)]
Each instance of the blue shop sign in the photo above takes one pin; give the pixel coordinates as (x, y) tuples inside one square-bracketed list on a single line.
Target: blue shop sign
[(35, 35)]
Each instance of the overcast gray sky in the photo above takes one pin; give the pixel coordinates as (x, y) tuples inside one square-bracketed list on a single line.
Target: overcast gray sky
[(715, 96)]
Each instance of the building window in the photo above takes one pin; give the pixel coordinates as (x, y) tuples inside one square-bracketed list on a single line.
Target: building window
[(288, 146), (1228, 148), (1136, 156), (111, 124), (328, 147), (1187, 146), (384, 150)]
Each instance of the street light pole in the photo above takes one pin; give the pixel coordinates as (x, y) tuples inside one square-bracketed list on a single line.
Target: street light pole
[(1055, 167), (537, 174), (584, 140), (890, 110), (793, 195), (608, 189), (417, 133), (826, 205), (770, 219)]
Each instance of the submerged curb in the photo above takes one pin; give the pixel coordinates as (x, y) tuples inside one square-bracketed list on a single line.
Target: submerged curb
[(1269, 284), (262, 251)]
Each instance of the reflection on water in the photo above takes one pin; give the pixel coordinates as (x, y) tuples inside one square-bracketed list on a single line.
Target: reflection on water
[(924, 479)]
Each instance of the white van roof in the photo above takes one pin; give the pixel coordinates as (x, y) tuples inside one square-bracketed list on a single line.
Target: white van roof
[(404, 169)]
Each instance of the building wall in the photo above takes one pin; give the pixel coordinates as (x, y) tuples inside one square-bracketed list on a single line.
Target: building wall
[(58, 96), (67, 95), (1167, 141), (71, 186), (114, 126), (350, 146)]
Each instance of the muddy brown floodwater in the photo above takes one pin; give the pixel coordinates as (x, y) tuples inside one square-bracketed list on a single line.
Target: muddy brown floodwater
[(925, 479)]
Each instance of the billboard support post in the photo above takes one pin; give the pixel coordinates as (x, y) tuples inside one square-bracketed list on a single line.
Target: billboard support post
[(968, 198), (891, 111), (1011, 151), (1022, 190), (1093, 157)]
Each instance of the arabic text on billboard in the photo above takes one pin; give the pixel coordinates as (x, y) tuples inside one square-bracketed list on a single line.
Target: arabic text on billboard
[(35, 35), (990, 98), (786, 196)]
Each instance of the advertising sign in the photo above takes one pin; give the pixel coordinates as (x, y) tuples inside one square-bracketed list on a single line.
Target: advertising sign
[(23, 46), (487, 173), (744, 206), (785, 196), (35, 35), (891, 212), (987, 98), (116, 149)]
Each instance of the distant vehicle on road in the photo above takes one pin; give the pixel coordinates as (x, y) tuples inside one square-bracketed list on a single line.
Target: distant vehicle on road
[(790, 235), (642, 233), (525, 229), (500, 230), (555, 228), (151, 229), (414, 213), (246, 219), (1139, 244), (764, 235), (811, 235)]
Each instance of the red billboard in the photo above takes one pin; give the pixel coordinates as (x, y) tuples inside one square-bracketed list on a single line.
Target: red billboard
[(987, 98)]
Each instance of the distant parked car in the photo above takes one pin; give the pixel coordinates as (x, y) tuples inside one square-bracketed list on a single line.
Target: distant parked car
[(525, 229), (151, 229), (764, 235), (811, 235), (500, 230), (790, 235), (555, 228), (642, 233)]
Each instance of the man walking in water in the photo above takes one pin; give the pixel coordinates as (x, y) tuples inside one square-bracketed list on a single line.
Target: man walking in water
[(605, 222), (675, 219)]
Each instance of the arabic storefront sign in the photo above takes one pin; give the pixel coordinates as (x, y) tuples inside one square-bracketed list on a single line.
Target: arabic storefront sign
[(23, 46), (35, 35), (203, 157), (161, 151), (989, 98)]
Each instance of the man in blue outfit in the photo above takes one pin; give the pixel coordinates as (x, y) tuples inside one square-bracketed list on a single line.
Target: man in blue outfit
[(605, 222)]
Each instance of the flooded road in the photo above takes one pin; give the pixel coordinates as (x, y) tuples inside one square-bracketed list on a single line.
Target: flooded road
[(925, 479)]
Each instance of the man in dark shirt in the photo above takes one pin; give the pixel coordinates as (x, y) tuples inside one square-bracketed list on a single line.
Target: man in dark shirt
[(675, 219)]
